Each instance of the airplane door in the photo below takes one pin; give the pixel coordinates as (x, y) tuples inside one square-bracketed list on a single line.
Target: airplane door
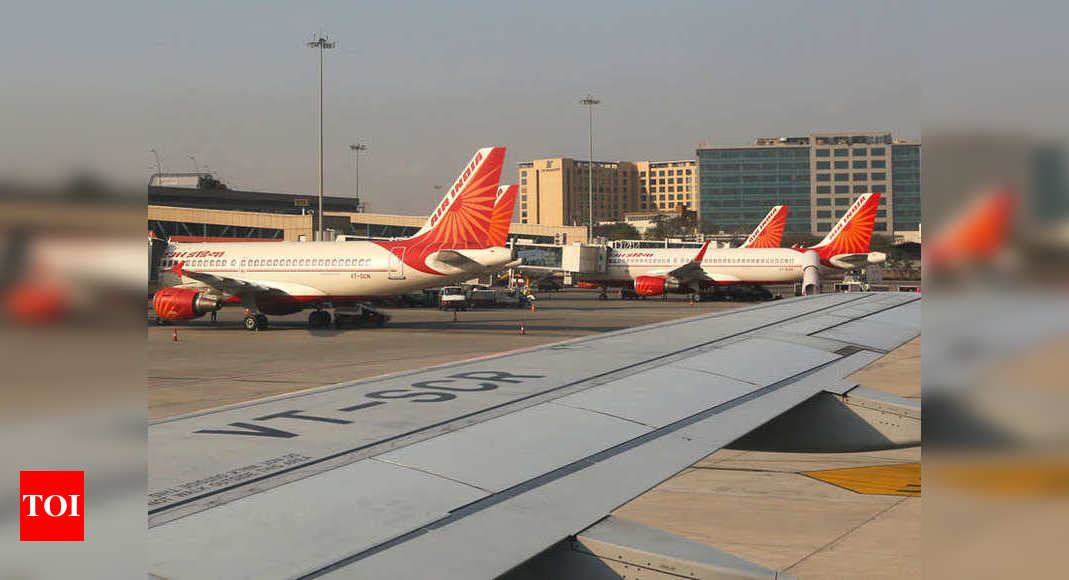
[(397, 264)]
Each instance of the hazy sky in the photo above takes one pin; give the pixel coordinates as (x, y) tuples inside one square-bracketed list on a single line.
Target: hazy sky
[(96, 85)]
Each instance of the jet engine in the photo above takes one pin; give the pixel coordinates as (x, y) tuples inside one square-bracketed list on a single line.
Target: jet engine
[(655, 286), (183, 303), (810, 273)]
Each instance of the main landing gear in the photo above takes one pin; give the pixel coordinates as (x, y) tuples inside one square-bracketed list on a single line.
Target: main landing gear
[(255, 322), (362, 316), (604, 294), (319, 319)]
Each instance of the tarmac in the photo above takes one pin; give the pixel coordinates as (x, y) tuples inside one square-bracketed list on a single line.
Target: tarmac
[(755, 505)]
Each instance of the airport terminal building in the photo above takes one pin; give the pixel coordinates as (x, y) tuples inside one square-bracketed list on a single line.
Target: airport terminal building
[(199, 214)]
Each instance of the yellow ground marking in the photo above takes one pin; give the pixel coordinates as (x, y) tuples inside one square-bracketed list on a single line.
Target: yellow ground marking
[(900, 479)]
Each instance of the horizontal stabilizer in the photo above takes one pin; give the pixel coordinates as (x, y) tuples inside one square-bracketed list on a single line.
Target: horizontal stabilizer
[(852, 261), (454, 258)]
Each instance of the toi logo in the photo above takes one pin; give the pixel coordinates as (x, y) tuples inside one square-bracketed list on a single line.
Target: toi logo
[(51, 506)]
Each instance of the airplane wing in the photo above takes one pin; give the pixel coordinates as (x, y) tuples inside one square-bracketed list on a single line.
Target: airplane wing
[(225, 284), (470, 469), (688, 272)]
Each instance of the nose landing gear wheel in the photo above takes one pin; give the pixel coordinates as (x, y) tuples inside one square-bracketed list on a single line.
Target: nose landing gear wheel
[(697, 296), (257, 322)]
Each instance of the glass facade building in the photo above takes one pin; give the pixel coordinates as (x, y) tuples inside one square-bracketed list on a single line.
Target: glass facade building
[(737, 186), (819, 176), (906, 184)]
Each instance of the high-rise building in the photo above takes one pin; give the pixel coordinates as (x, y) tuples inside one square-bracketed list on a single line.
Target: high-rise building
[(555, 191), (818, 176), (666, 185)]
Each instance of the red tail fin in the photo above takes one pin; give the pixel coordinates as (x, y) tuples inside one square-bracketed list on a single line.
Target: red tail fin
[(501, 217), (978, 234), (769, 233), (853, 233), (462, 219)]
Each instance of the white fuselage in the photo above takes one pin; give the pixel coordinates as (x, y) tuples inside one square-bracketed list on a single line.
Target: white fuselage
[(738, 265), (327, 270)]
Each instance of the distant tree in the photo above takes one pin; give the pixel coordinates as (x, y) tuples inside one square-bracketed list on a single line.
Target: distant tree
[(708, 226), (209, 182), (666, 227), (616, 231), (801, 238), (881, 243)]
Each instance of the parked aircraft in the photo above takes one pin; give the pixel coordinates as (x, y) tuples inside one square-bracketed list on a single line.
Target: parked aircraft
[(284, 278), (658, 271)]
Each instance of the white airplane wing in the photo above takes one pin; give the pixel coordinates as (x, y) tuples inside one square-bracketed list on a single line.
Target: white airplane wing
[(689, 272), (471, 469), (245, 287)]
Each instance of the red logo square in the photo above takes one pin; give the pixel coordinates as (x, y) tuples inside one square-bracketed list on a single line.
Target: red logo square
[(51, 506)]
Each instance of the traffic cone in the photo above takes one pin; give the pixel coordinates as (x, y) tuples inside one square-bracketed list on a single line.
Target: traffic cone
[(174, 337), (532, 307), (523, 327)]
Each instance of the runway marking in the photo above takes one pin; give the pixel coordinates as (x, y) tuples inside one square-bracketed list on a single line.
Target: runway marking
[(899, 479)]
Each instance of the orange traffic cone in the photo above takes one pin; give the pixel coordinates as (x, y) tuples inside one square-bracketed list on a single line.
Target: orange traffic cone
[(174, 337), (532, 307), (523, 327)]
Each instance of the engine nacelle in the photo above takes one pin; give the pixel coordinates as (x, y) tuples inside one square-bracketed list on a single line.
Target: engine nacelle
[(810, 273), (655, 286), (183, 303)]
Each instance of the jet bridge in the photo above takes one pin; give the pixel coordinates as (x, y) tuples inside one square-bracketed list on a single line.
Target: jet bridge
[(574, 258)]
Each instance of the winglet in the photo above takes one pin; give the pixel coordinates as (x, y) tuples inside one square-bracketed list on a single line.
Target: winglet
[(177, 269), (701, 253)]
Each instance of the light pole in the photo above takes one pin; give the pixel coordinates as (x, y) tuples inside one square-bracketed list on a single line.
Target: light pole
[(159, 166), (590, 101), (322, 43), (357, 148)]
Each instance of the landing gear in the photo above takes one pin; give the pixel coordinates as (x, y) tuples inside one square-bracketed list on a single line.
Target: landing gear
[(319, 319), (364, 315), (255, 322), (342, 320), (604, 294), (696, 297)]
